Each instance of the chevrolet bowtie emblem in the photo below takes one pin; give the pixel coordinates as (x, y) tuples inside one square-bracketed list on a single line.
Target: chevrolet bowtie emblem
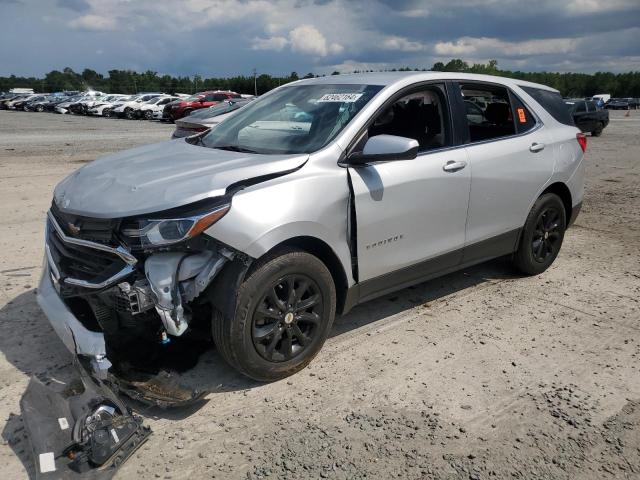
[(73, 228)]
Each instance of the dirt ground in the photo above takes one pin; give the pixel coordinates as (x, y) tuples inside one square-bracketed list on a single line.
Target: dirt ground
[(480, 374)]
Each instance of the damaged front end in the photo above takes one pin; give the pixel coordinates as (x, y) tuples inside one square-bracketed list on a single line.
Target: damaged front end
[(120, 291)]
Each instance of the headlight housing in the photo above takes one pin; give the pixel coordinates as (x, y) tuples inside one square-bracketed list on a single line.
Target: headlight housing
[(155, 232)]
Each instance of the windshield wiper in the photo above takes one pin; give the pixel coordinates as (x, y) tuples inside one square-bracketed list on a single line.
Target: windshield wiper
[(235, 148)]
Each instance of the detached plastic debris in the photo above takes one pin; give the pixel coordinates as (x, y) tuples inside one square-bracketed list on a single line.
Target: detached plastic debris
[(79, 434)]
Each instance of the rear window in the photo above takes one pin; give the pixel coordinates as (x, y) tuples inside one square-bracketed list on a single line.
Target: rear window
[(552, 102)]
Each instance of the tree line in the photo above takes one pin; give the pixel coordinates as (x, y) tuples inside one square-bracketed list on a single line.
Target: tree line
[(127, 81)]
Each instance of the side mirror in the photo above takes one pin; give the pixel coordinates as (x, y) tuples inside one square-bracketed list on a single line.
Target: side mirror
[(385, 148)]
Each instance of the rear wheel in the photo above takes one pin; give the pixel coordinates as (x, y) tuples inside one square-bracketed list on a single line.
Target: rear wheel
[(542, 235), (128, 113), (148, 114), (598, 131), (39, 108), (284, 313), (106, 112)]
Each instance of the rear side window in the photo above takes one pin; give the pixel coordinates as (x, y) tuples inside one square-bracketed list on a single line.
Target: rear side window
[(523, 117), (552, 102), (488, 110), (591, 106), (581, 107)]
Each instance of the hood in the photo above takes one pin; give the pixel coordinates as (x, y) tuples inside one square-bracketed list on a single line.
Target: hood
[(157, 177)]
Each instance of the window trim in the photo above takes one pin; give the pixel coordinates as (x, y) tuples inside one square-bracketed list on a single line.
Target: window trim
[(539, 124)]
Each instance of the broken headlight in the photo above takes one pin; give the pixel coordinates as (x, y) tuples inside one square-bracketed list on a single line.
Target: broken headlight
[(165, 231)]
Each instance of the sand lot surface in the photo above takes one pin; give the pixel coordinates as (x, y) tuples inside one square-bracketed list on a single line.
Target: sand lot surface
[(477, 375)]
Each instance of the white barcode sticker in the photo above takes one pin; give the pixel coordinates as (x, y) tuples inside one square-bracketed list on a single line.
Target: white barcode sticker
[(64, 424), (114, 435), (47, 462), (340, 97)]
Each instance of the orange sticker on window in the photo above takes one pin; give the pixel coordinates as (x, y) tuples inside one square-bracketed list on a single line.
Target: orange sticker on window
[(521, 115)]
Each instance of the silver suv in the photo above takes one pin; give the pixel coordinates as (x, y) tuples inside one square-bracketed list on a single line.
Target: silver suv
[(320, 195)]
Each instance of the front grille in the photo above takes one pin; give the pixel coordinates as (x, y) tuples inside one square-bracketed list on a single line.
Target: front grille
[(92, 229), (85, 252), (82, 263)]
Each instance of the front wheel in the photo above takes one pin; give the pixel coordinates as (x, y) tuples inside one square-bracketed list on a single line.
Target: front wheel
[(542, 235), (284, 312), (148, 114), (106, 112), (128, 113)]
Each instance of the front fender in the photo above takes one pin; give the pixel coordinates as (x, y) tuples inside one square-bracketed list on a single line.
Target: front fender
[(311, 202)]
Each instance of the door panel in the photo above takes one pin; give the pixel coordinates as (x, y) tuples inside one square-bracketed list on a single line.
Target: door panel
[(506, 178), (410, 211)]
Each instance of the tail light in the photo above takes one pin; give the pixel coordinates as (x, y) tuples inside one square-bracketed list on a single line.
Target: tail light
[(582, 141)]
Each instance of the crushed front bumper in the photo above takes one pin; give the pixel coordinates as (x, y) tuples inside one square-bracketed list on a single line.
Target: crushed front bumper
[(78, 339)]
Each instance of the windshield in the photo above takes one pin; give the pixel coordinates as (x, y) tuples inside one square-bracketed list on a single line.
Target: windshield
[(296, 119), (219, 109)]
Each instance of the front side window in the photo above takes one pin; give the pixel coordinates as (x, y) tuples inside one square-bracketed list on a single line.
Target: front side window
[(493, 117), (294, 119), (580, 107), (421, 115)]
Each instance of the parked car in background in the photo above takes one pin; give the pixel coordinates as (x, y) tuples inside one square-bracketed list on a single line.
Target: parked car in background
[(104, 105), (207, 118), (38, 104), (587, 116), (634, 103), (206, 99), (617, 104), (17, 102), (125, 109), (152, 109), (24, 103)]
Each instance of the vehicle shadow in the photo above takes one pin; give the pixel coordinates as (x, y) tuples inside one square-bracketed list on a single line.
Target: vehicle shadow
[(29, 343)]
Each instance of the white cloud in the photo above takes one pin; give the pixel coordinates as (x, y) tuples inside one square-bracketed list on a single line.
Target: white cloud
[(94, 23), (271, 43), (493, 46), (598, 6), (308, 39), (402, 44)]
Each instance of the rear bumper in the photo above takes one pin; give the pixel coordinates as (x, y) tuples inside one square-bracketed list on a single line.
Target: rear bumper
[(76, 337)]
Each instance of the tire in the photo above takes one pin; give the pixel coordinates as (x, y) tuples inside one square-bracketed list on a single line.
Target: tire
[(39, 108), (187, 112), (542, 235), (269, 338), (128, 113), (106, 113), (148, 114), (598, 131)]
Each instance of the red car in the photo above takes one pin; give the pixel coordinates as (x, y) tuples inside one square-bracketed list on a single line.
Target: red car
[(182, 108)]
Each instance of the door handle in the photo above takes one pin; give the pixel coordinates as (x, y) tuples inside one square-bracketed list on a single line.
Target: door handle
[(452, 166), (536, 147)]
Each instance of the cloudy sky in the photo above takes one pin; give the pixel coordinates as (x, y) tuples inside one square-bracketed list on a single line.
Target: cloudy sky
[(229, 37)]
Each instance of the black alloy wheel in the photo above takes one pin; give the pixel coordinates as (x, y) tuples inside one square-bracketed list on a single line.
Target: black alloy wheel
[(547, 235), (285, 320), (148, 114), (542, 235)]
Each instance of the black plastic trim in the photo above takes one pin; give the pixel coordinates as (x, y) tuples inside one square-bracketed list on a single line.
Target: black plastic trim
[(468, 256)]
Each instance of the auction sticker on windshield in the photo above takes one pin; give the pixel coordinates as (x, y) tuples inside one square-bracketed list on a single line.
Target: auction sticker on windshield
[(340, 97)]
